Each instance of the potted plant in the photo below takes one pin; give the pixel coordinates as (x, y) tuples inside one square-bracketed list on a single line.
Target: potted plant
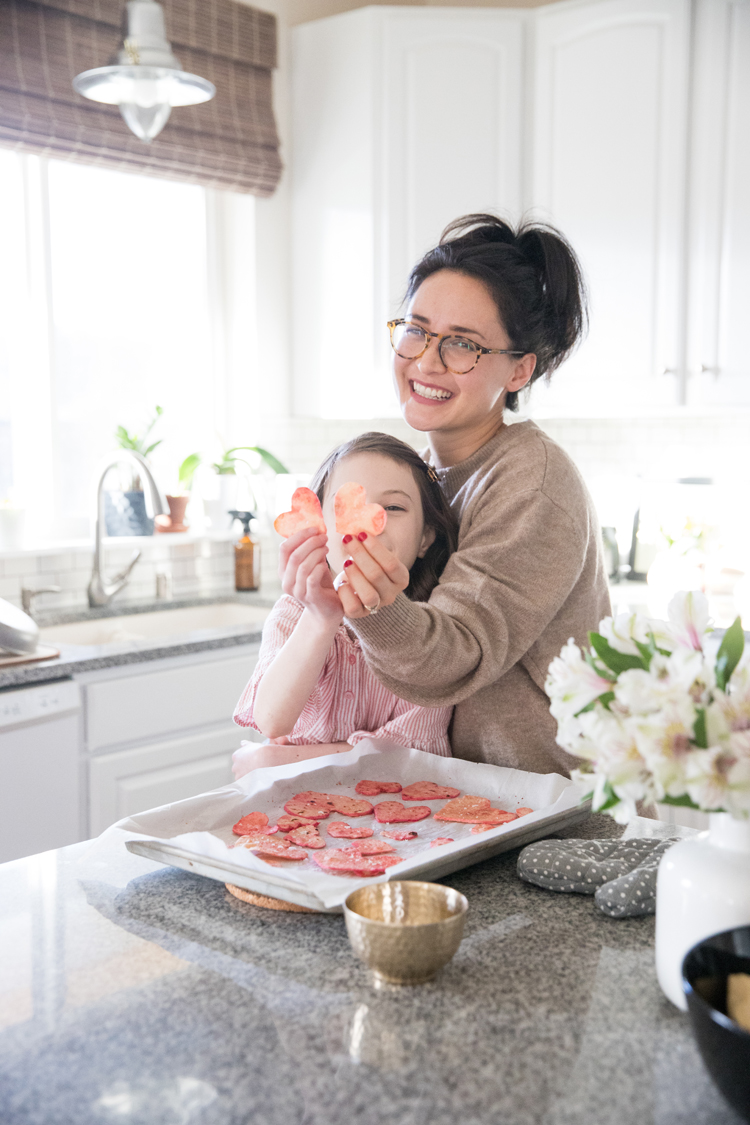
[(125, 509), (225, 468), (660, 715), (180, 498)]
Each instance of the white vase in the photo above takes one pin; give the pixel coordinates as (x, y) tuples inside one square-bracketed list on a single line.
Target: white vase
[(703, 887)]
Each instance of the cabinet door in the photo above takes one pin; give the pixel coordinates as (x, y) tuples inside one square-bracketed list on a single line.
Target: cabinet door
[(132, 781), (451, 146), (720, 206), (609, 165), (160, 702)]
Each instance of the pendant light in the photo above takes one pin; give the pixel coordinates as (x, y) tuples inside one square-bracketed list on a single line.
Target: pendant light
[(145, 79)]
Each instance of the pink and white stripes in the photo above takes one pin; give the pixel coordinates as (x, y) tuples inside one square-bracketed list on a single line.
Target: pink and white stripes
[(348, 703)]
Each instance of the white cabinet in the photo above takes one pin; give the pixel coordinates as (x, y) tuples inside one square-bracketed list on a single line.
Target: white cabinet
[(404, 118), (610, 119), (719, 248), (623, 122), (161, 732)]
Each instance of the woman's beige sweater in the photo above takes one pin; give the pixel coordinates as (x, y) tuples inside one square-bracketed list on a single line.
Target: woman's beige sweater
[(527, 575)]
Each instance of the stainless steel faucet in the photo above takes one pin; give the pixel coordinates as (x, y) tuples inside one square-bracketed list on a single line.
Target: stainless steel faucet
[(101, 592)]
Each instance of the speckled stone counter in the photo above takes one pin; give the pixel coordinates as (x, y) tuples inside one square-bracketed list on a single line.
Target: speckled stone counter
[(139, 994), (88, 658)]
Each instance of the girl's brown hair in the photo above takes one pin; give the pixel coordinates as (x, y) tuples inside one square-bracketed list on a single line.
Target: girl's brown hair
[(424, 574)]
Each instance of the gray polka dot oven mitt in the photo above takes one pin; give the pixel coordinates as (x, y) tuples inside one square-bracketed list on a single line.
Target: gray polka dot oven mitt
[(620, 874)]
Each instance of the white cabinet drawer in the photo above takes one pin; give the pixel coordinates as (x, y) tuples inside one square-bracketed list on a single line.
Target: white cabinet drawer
[(132, 781), (158, 702)]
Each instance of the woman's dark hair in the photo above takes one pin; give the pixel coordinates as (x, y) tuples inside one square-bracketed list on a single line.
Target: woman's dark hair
[(426, 571), (533, 275)]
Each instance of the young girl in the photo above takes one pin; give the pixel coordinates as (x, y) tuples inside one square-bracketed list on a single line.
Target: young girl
[(311, 692)]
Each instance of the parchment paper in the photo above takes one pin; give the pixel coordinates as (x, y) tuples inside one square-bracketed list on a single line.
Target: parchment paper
[(203, 824)]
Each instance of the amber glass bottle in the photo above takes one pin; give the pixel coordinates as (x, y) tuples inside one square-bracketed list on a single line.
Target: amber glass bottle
[(246, 555)]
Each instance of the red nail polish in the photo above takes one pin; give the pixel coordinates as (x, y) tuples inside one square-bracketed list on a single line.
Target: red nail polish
[(348, 562), (362, 536), (347, 539)]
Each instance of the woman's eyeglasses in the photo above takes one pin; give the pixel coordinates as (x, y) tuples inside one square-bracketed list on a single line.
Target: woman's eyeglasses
[(457, 354)]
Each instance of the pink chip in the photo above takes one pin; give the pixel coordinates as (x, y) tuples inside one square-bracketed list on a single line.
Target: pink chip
[(428, 791), (289, 823), (354, 514), (346, 861), (392, 834), (277, 849), (440, 840), (342, 831), (350, 806), (251, 822), (306, 810), (393, 812), (523, 812), (372, 847), (375, 788), (306, 837), (473, 810), (306, 512)]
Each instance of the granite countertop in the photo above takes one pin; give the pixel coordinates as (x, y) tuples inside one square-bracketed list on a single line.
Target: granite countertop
[(75, 658), (141, 994)]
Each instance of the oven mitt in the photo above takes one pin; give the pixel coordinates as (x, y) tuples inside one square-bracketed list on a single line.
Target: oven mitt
[(621, 874)]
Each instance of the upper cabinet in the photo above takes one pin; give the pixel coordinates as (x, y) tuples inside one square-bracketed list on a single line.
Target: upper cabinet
[(623, 122), (609, 132), (719, 207), (404, 118)]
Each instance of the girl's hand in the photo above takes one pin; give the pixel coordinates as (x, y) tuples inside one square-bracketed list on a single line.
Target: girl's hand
[(305, 574), (276, 752), (374, 578)]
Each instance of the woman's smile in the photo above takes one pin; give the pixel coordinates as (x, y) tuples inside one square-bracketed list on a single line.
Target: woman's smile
[(429, 392)]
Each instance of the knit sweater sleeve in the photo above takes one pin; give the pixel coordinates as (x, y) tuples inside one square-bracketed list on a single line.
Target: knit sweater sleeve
[(516, 565)]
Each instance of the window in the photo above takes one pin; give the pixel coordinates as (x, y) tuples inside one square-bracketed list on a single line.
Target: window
[(111, 302)]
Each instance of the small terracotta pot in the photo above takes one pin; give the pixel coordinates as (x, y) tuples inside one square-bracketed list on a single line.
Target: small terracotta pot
[(174, 522)]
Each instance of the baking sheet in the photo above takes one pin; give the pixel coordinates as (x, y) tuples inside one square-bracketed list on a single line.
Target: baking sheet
[(196, 834)]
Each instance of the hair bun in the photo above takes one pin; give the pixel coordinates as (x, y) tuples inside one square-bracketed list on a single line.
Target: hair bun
[(479, 230)]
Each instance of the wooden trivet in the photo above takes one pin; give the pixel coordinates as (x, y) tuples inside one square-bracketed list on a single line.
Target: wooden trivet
[(267, 902), (43, 652)]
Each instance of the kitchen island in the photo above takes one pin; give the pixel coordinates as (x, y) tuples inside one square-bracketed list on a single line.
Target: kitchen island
[(137, 993)]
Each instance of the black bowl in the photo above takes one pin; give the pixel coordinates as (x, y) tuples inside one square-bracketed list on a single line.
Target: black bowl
[(724, 1045)]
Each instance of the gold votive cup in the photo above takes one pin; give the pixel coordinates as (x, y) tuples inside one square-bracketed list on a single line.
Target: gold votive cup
[(405, 931)]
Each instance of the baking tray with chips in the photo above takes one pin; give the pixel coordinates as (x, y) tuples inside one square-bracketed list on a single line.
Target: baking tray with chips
[(196, 834)]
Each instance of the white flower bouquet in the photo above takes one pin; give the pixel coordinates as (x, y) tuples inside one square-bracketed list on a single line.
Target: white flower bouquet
[(654, 716)]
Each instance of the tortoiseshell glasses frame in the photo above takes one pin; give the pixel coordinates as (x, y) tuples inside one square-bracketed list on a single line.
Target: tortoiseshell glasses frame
[(458, 343)]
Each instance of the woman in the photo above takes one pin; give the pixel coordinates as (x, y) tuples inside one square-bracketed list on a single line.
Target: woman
[(490, 310)]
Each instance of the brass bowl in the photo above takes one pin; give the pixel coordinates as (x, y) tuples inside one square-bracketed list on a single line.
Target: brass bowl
[(405, 931)]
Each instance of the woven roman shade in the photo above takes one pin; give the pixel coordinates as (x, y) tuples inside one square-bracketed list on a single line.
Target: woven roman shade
[(229, 142)]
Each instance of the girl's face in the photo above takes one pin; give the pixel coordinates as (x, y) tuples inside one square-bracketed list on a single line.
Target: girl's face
[(392, 485), (451, 303)]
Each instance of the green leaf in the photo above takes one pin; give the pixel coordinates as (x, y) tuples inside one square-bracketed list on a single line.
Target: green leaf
[(186, 471), (682, 802), (646, 651), (605, 699), (152, 447), (270, 460), (612, 798), (729, 654), (618, 662), (699, 729)]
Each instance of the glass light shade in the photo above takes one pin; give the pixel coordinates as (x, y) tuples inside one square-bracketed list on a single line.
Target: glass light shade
[(145, 94)]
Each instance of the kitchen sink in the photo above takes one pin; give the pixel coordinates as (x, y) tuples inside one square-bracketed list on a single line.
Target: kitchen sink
[(134, 627)]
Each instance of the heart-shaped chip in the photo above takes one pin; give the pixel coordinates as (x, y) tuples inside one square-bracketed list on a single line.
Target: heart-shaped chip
[(288, 823), (473, 810), (306, 512), (374, 788), (306, 837), (253, 822), (393, 812), (341, 831), (306, 809), (440, 840), (428, 791), (347, 861), (354, 514), (372, 847)]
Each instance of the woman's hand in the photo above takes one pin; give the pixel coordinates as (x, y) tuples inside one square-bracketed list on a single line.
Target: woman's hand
[(374, 578), (305, 575)]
